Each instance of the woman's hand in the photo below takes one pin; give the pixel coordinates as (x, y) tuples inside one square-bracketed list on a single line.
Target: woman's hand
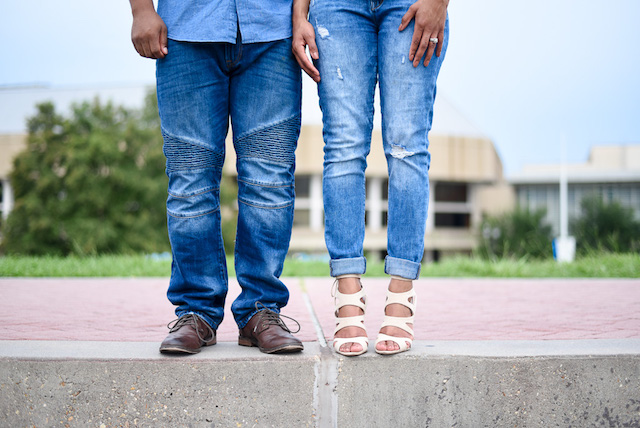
[(304, 35), (430, 18)]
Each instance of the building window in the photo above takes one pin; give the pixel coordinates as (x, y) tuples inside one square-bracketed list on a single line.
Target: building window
[(451, 192), (303, 186), (453, 220), (385, 189)]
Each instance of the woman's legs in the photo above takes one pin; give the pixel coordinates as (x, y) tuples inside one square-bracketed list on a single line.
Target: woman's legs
[(407, 96), (347, 43)]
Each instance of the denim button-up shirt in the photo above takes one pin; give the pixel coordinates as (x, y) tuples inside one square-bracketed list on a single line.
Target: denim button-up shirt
[(218, 20)]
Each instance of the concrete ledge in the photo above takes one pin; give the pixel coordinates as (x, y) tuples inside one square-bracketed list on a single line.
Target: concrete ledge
[(115, 385), (494, 384), (437, 384)]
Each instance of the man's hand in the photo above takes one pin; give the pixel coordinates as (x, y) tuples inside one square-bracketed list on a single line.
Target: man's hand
[(303, 36), (430, 18), (148, 32)]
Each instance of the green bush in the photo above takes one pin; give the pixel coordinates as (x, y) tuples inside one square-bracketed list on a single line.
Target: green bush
[(228, 212), (517, 234), (94, 183), (605, 227), (89, 183)]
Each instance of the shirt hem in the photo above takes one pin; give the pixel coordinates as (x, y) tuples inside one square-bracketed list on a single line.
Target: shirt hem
[(229, 40)]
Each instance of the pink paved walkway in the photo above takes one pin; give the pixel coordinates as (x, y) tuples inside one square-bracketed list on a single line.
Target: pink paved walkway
[(113, 309)]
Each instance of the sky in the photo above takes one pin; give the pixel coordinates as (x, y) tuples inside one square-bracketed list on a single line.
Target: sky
[(527, 74)]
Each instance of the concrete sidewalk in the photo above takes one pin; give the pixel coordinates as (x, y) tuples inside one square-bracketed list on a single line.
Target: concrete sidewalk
[(489, 352)]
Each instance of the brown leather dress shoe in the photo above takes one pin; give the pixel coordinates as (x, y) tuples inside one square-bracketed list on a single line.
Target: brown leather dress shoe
[(187, 335), (268, 332)]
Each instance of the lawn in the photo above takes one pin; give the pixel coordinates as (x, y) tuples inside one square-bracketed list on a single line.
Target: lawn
[(603, 265)]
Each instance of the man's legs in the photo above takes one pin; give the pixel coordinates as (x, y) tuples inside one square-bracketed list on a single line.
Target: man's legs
[(193, 103), (265, 101)]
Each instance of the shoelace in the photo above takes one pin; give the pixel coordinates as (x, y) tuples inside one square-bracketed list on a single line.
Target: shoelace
[(269, 317), (190, 319)]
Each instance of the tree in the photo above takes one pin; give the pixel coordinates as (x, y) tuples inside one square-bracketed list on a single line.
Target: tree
[(605, 227), (90, 183), (520, 233)]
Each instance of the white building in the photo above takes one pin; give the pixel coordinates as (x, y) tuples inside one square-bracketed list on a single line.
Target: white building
[(612, 172)]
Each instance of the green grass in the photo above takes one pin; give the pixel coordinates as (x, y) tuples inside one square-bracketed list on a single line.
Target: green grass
[(594, 266)]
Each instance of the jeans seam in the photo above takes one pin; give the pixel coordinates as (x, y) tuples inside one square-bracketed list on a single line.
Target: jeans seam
[(194, 194), (184, 139), (266, 208), (253, 156), (193, 216), (262, 128), (274, 186)]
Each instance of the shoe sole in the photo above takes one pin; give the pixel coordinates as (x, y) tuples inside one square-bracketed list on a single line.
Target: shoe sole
[(178, 350), (284, 349)]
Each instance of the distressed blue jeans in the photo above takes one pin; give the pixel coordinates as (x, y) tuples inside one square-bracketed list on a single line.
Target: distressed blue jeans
[(201, 86), (360, 45)]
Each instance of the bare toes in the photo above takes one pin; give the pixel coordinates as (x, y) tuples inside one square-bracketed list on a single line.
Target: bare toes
[(351, 347)]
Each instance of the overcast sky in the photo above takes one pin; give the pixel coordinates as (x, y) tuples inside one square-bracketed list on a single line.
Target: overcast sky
[(525, 73)]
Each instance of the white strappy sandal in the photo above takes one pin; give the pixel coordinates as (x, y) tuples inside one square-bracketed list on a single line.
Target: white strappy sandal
[(407, 299), (356, 299)]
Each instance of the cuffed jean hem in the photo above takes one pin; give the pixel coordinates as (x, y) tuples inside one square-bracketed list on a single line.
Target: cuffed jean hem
[(245, 321), (401, 267), (356, 265), (206, 318)]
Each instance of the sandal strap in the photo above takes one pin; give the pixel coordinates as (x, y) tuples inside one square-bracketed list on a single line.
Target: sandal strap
[(399, 322), (400, 341), (355, 321), (348, 275), (403, 299), (354, 299), (357, 299), (360, 340)]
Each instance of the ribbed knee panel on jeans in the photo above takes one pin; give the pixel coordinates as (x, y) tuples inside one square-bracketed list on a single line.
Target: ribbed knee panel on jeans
[(194, 178), (276, 143), (266, 163), (186, 156)]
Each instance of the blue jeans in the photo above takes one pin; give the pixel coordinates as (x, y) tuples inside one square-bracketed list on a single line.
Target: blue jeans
[(201, 85), (359, 43)]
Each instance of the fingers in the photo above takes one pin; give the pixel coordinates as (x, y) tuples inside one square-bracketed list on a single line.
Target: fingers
[(312, 71), (440, 40), (299, 51), (408, 16), (313, 48), (431, 48), (422, 48), (415, 44), (307, 65), (426, 26), (142, 47), (149, 35), (163, 42)]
